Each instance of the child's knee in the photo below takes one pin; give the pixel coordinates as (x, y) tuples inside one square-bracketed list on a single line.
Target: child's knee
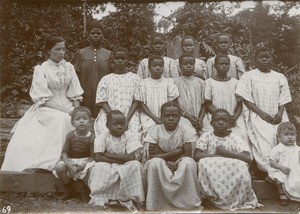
[(187, 162), (155, 163)]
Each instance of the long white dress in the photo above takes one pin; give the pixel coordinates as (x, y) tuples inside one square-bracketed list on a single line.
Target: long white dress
[(222, 95), (154, 93), (236, 69), (168, 190), (40, 134), (170, 68), (226, 182), (288, 156), (267, 91)]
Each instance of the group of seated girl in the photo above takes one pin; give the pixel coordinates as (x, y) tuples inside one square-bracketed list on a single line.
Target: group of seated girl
[(166, 137)]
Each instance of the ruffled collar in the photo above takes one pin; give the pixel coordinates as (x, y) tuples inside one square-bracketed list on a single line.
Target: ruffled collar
[(56, 64)]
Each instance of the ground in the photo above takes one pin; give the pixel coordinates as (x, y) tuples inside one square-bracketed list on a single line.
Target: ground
[(47, 203)]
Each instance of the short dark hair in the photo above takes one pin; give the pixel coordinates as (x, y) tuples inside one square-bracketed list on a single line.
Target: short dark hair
[(81, 108), (262, 49), (219, 111), (121, 49), (152, 57), (110, 115), (187, 37), (219, 56), (51, 41), (223, 34), (185, 55), (94, 24), (161, 35), (285, 126), (169, 104)]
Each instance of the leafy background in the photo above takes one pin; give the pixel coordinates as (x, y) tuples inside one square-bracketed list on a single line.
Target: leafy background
[(24, 27)]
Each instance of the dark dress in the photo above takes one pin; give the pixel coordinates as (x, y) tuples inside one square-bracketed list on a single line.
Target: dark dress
[(91, 65)]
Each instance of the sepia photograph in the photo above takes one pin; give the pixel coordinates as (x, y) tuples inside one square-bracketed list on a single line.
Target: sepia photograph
[(149, 106)]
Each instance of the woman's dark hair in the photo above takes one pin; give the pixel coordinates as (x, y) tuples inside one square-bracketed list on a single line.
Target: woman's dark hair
[(185, 55), (81, 108), (152, 57), (187, 37), (169, 104), (51, 41), (219, 56), (94, 24), (223, 34), (121, 49)]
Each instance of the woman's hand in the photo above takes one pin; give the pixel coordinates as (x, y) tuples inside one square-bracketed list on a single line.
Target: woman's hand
[(277, 118), (157, 120)]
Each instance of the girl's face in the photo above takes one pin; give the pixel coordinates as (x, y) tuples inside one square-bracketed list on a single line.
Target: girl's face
[(170, 118), (117, 125), (156, 68), (188, 46), (264, 61), (95, 36), (288, 137), (120, 62), (57, 52), (222, 66), (224, 44), (158, 45), (187, 66), (81, 121), (220, 123)]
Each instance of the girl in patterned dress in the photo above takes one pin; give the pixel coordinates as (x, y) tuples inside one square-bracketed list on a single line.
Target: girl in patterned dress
[(158, 45), (236, 68), (220, 94), (265, 92), (171, 172), (119, 90), (117, 174), (223, 166), (285, 164), (188, 47), (155, 91)]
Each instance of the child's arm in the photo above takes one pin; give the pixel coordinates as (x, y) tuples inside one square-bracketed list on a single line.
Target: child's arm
[(119, 157), (155, 151), (202, 113), (105, 106), (187, 149), (192, 119), (134, 106), (146, 110), (280, 167), (99, 157), (278, 115), (238, 110), (209, 106), (243, 156), (199, 154), (263, 115)]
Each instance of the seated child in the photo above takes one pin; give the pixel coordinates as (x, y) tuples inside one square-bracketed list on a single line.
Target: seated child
[(171, 172), (236, 69), (158, 46), (223, 166), (188, 47), (78, 150), (155, 91), (220, 94), (285, 164), (191, 92), (117, 174)]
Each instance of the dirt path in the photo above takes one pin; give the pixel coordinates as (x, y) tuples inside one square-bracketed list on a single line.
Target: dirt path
[(47, 203)]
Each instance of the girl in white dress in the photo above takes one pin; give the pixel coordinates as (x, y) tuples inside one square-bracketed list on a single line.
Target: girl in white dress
[(55, 91), (285, 164), (220, 93), (155, 91), (158, 45), (119, 91), (265, 92)]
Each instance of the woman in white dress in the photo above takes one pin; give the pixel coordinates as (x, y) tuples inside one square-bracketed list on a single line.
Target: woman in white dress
[(40, 134)]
